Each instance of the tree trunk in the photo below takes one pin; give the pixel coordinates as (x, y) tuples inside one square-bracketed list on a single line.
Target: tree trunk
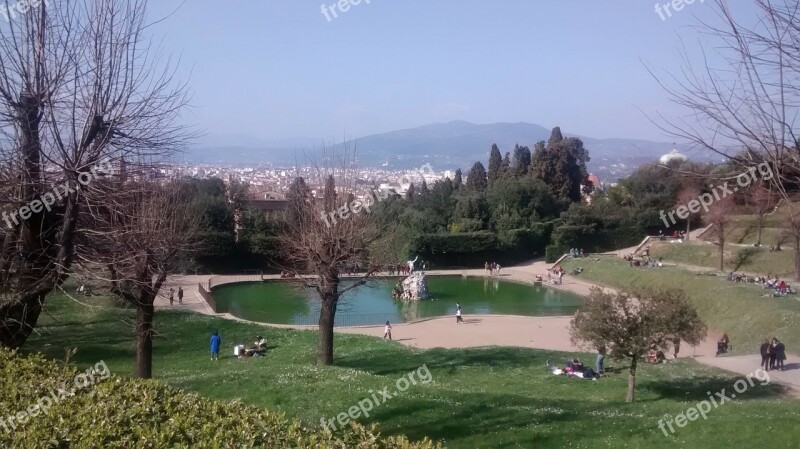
[(144, 340), (326, 320), (688, 226), (329, 289), (797, 257), (632, 381), (18, 320), (760, 227)]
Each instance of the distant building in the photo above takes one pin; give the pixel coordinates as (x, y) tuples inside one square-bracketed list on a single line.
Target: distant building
[(672, 156), (594, 180)]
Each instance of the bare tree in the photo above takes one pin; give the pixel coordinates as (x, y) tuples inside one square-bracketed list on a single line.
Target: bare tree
[(745, 107), (720, 216), (139, 239), (762, 200), (79, 87), (628, 323), (325, 236), (687, 195)]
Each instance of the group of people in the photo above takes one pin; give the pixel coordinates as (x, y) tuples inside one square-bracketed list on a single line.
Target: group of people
[(492, 268), (769, 282), (559, 272), (240, 351), (405, 269), (575, 368), (676, 235), (576, 253), (773, 354), (172, 295)]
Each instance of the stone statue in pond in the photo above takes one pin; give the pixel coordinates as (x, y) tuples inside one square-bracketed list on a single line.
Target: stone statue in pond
[(411, 264), (413, 288)]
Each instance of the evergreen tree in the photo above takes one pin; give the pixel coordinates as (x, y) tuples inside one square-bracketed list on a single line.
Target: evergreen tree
[(495, 160), (522, 161), (410, 193), (330, 194), (555, 138), (457, 181), (505, 166), (477, 178), (424, 189)]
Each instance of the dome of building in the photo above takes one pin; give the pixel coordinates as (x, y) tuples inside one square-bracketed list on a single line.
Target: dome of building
[(673, 155)]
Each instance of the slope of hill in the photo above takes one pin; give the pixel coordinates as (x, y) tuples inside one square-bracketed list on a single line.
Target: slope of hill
[(456, 144)]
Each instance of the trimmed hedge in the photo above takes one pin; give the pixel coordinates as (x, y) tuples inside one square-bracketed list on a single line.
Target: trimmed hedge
[(124, 413), (472, 249)]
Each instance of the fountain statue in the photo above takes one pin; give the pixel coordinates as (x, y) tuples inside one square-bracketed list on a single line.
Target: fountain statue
[(411, 264), (414, 287)]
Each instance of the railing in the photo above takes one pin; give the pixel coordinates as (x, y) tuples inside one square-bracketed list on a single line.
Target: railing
[(207, 297), (216, 281)]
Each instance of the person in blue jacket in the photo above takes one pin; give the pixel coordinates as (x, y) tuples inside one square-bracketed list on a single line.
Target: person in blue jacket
[(215, 343)]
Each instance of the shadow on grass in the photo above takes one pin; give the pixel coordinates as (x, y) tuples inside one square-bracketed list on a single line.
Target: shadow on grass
[(700, 388)]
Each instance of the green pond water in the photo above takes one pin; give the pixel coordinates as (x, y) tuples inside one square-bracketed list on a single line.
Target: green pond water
[(281, 303)]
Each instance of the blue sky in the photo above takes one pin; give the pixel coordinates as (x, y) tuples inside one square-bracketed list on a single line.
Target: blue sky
[(278, 69)]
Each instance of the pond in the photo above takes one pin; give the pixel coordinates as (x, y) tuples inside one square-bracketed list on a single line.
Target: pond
[(279, 302)]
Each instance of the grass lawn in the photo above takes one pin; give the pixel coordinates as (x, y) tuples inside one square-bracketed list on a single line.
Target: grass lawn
[(738, 309), (737, 258), (478, 398)]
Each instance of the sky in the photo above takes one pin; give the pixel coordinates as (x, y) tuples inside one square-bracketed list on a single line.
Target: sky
[(277, 69)]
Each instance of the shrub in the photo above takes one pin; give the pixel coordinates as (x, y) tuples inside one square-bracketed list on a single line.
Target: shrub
[(123, 413)]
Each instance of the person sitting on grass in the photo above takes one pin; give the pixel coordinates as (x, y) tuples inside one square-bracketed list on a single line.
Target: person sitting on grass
[(258, 349)]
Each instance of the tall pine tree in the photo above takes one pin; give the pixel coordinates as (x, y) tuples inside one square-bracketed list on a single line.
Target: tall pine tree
[(495, 160), (477, 178)]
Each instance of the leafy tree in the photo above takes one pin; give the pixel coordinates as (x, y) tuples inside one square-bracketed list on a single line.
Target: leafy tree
[(476, 180), (495, 160), (626, 324)]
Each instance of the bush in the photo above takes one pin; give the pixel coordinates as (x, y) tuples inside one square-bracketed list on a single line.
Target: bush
[(553, 252), (123, 413)]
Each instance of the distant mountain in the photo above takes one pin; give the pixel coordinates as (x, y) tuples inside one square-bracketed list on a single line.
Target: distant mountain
[(451, 145)]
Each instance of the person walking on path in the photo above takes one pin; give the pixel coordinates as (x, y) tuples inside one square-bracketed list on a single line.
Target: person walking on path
[(216, 341), (458, 314), (180, 295), (765, 354), (171, 296), (387, 332)]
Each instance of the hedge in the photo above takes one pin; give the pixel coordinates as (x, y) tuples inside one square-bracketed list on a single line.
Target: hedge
[(123, 413)]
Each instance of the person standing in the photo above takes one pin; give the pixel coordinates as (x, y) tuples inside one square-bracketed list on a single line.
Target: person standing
[(486, 268), (765, 354), (780, 354), (458, 314), (216, 341), (171, 296), (180, 295), (772, 354), (601, 356), (676, 346), (387, 331)]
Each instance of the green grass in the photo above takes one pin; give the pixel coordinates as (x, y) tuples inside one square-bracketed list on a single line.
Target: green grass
[(737, 258), (736, 308), (478, 398)]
